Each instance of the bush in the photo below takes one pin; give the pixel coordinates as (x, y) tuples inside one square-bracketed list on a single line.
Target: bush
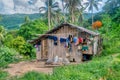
[(30, 29), (28, 50), (3, 75), (7, 55), (20, 45), (23, 47)]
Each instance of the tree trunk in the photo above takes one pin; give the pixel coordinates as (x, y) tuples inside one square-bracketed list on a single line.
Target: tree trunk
[(81, 18), (92, 16), (63, 10), (72, 15), (48, 15)]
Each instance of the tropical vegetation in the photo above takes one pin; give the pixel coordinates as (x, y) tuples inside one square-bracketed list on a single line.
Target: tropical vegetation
[(15, 46)]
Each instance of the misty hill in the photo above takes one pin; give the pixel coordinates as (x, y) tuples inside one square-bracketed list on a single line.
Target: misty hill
[(13, 21)]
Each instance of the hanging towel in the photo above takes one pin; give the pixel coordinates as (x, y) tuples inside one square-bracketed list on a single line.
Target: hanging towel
[(53, 38), (84, 47)]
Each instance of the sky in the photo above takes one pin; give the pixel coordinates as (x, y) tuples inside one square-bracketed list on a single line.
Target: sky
[(25, 6)]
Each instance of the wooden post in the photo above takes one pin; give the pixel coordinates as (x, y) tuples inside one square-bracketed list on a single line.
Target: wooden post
[(95, 45)]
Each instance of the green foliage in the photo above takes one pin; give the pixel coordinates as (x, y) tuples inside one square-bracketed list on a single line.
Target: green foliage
[(18, 43), (100, 68), (29, 30), (12, 32), (116, 17), (22, 46), (28, 50), (8, 41), (107, 24), (7, 55), (111, 7), (110, 33), (3, 75), (33, 76)]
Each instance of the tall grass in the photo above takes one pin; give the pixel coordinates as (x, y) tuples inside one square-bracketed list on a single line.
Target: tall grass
[(32, 75)]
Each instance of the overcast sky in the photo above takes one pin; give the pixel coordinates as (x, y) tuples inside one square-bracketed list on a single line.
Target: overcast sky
[(24, 6)]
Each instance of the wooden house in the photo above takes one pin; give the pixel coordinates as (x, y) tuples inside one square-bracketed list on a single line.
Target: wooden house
[(53, 42)]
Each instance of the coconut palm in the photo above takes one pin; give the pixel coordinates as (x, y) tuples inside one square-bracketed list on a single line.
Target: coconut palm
[(49, 9), (91, 4), (58, 17), (111, 6), (73, 6), (63, 9), (79, 15)]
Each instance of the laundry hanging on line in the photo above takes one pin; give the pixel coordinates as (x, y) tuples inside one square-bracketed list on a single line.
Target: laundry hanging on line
[(75, 39), (80, 40), (53, 38), (62, 40), (70, 38)]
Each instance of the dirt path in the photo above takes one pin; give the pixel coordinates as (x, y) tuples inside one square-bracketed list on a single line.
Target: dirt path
[(25, 66)]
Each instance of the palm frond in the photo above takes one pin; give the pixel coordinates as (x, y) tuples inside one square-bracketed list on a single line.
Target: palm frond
[(41, 9), (90, 7), (55, 5), (95, 6), (86, 4)]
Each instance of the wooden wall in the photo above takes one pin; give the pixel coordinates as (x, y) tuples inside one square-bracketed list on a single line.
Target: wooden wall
[(49, 50)]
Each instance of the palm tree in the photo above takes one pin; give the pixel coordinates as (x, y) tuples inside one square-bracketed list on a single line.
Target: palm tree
[(49, 8), (91, 4), (111, 6), (63, 9), (80, 17), (73, 6)]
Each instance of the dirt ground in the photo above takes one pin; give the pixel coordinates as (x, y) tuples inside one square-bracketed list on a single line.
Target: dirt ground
[(20, 68)]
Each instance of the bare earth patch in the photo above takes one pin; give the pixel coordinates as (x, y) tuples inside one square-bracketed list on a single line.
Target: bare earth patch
[(26, 66)]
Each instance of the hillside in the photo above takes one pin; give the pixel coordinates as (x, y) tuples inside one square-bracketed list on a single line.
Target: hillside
[(13, 21)]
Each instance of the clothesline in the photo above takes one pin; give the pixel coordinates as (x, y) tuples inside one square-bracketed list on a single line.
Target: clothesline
[(57, 34)]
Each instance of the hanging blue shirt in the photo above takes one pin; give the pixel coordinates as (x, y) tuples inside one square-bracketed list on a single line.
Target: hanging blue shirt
[(75, 39)]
